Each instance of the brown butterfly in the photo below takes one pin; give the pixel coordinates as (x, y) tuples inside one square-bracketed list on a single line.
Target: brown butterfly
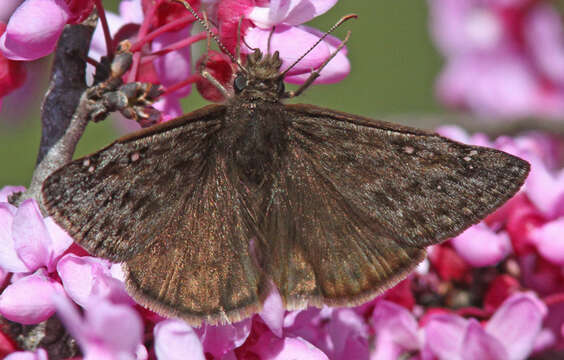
[(209, 210)]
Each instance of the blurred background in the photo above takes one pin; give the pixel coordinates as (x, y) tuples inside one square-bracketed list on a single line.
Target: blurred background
[(394, 66)]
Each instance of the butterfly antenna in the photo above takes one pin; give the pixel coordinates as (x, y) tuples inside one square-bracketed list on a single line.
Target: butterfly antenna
[(269, 39), (339, 23), (211, 33)]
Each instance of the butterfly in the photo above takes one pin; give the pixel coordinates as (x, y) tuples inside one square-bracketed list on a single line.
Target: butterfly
[(210, 211)]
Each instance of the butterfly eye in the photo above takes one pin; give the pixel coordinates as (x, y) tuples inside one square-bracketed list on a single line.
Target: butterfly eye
[(281, 88), (240, 83)]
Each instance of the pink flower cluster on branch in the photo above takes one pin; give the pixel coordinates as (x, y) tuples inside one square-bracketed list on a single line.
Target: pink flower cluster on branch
[(503, 58)]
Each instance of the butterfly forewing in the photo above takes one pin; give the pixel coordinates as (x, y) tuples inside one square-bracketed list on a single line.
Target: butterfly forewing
[(410, 185), (114, 202)]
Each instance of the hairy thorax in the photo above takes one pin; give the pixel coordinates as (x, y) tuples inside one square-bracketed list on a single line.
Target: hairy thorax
[(255, 137)]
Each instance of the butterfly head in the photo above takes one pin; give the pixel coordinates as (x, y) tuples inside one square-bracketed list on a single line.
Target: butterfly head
[(262, 78)]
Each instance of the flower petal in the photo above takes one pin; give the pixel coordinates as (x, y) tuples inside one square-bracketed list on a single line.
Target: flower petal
[(398, 322), (549, 242), (29, 300), (174, 339), (33, 29), (273, 311), (273, 348), (480, 246), (31, 238), (115, 327), (9, 259), (291, 42), (444, 335), (60, 241), (40, 354), (517, 323), (336, 70), (292, 12), (176, 65), (80, 274), (221, 339), (479, 345)]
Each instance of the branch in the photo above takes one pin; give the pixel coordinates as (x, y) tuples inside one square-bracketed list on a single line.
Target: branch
[(64, 112)]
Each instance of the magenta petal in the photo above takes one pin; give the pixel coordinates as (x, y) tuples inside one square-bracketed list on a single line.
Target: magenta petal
[(292, 12), (80, 274), (444, 335), (544, 32), (175, 66), (349, 332), (31, 238), (544, 189), (549, 241), (40, 354), (273, 311), (118, 327), (399, 322), (479, 345), (60, 241), (270, 347), (29, 300), (291, 42), (169, 106), (107, 331), (336, 70), (517, 323), (6, 191), (221, 339), (9, 259), (174, 339), (33, 29), (480, 246)]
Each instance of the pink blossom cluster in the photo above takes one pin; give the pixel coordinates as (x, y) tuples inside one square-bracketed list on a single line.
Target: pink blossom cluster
[(494, 292), (160, 33), (504, 58)]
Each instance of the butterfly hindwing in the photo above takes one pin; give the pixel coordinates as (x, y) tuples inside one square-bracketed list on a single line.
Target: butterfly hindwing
[(322, 251)]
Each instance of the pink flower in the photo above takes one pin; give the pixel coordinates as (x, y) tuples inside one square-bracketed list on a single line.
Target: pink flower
[(87, 279), (396, 331), (27, 39), (290, 38), (503, 58), (28, 241), (480, 246), (40, 354), (509, 334), (29, 300), (174, 339), (106, 331)]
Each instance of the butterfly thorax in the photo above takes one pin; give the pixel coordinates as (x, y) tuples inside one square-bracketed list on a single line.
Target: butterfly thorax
[(255, 135)]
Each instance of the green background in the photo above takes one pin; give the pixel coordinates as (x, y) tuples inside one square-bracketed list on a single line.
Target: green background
[(394, 66)]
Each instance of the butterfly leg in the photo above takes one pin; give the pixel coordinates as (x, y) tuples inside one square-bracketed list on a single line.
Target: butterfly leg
[(315, 73)]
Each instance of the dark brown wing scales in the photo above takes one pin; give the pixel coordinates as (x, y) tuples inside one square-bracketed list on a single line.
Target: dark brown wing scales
[(323, 251), (210, 275), (114, 202), (357, 201), (412, 186)]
